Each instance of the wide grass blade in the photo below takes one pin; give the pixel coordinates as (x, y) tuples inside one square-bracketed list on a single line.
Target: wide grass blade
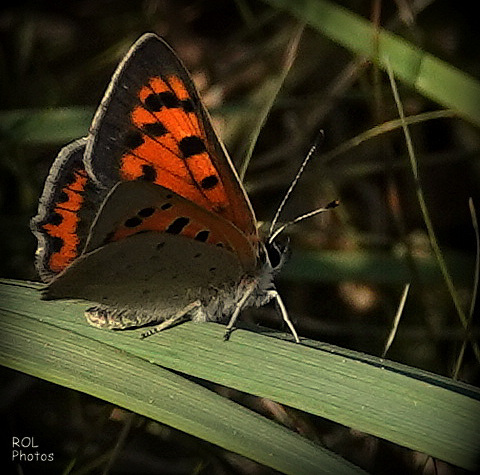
[(410, 407), (62, 354)]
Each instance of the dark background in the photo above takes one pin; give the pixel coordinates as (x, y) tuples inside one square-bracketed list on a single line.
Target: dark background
[(61, 55)]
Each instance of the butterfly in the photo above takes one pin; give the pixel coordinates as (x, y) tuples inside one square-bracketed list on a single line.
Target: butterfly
[(146, 216)]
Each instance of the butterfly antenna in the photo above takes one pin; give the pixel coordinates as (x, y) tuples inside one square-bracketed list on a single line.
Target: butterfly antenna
[(331, 205), (293, 184)]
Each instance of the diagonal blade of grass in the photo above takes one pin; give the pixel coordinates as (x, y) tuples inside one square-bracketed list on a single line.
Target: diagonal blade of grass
[(268, 98), (407, 406), (382, 129), (473, 301), (424, 72), (65, 357), (396, 320)]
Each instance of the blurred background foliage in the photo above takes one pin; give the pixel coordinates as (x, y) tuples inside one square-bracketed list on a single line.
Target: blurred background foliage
[(348, 267)]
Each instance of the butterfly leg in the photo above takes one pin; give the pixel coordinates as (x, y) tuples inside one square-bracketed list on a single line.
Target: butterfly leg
[(240, 304), (173, 320), (283, 310)]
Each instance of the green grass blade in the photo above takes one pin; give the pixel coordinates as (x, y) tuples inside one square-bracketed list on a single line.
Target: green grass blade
[(62, 355), (45, 126), (422, 71), (407, 406)]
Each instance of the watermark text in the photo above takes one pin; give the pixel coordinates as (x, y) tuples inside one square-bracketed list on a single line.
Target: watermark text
[(24, 450)]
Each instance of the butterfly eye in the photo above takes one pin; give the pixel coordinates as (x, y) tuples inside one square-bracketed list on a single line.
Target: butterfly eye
[(276, 253)]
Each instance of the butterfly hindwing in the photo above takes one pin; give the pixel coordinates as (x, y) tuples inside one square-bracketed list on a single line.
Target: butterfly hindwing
[(137, 207), (152, 126), (66, 211), (163, 283)]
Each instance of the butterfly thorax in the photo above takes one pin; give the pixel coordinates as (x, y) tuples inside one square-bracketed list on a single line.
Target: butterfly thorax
[(254, 289)]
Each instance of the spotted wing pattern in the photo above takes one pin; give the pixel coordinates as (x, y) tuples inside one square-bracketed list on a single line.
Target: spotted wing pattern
[(152, 126), (152, 129), (135, 207)]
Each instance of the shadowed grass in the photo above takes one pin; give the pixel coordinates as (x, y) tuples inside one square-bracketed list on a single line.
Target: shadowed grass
[(420, 70), (426, 215)]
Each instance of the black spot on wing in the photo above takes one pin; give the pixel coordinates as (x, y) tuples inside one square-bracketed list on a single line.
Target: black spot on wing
[(188, 105), (148, 173), (156, 101), (62, 197), (209, 182), (156, 129), (57, 244), (202, 236), (191, 145), (169, 99), (153, 102), (133, 222), (146, 212), (176, 227), (133, 139), (53, 218)]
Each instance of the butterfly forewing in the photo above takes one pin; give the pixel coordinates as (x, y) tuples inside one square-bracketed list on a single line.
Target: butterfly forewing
[(152, 126)]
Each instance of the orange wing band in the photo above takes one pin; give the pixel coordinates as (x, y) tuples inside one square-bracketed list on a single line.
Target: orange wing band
[(64, 232)]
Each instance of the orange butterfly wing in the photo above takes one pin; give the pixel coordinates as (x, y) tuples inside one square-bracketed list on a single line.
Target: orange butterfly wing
[(66, 211), (152, 126)]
